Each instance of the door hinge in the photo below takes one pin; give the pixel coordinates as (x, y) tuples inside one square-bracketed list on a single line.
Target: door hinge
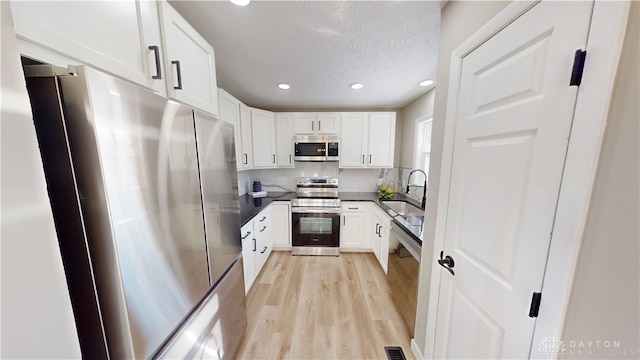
[(535, 304), (578, 67)]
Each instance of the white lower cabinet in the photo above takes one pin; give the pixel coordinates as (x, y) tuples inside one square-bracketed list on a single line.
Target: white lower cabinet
[(264, 240), (248, 255), (257, 244), (281, 225), (355, 222), (381, 225)]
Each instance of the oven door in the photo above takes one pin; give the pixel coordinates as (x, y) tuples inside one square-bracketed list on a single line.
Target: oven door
[(315, 227)]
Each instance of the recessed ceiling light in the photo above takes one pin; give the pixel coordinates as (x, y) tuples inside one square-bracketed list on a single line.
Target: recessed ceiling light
[(284, 86), (426, 83), (356, 86), (240, 2)]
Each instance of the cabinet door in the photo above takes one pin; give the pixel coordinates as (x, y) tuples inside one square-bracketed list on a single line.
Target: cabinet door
[(328, 123), (281, 225), (246, 140), (248, 255), (382, 133), (190, 63), (230, 113), (263, 134), (375, 234), (353, 147), (113, 36), (304, 123), (284, 140), (383, 255), (351, 232)]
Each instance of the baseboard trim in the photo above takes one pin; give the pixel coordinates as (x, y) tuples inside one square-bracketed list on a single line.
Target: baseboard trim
[(415, 350)]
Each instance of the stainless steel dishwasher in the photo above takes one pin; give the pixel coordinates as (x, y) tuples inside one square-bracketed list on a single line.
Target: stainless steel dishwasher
[(403, 273)]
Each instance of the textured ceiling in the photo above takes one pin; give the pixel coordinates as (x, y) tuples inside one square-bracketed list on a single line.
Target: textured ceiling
[(320, 48)]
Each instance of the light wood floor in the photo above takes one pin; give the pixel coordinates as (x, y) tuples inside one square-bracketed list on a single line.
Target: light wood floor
[(321, 307)]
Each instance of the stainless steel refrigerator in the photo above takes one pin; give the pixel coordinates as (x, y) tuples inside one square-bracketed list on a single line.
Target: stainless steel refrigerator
[(144, 196)]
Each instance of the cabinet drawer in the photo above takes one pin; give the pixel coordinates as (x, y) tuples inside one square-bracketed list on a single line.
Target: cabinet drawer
[(354, 206)]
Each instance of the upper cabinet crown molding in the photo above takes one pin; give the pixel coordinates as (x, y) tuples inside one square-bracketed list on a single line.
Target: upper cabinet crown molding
[(122, 37)]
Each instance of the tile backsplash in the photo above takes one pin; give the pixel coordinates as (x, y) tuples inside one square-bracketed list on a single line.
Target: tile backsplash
[(351, 180)]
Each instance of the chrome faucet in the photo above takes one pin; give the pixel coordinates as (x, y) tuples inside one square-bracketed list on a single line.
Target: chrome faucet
[(424, 193)]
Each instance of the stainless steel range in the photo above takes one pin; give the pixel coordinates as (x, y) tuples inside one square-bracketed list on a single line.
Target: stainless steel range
[(315, 217)]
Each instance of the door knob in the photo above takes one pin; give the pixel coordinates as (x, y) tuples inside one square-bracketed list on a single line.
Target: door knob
[(447, 262)]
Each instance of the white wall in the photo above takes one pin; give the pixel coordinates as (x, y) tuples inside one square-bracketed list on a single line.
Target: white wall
[(37, 320), (605, 299), (415, 110), (459, 20)]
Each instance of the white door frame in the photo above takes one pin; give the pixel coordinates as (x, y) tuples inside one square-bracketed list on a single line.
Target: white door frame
[(604, 45)]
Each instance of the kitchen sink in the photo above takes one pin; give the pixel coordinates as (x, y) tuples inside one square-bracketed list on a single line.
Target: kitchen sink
[(403, 208)]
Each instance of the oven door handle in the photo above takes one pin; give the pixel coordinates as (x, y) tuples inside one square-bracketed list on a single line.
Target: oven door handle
[(315, 210)]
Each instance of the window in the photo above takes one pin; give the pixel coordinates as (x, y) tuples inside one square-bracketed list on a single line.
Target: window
[(422, 149)]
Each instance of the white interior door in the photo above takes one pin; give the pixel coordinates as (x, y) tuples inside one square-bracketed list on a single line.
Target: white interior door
[(514, 114)]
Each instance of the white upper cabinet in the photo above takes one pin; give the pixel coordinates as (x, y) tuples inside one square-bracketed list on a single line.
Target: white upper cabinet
[(119, 37), (230, 113), (264, 138), (235, 112), (246, 139), (190, 63), (284, 140), (382, 135), (368, 140), (310, 123), (329, 123), (354, 145), (304, 123)]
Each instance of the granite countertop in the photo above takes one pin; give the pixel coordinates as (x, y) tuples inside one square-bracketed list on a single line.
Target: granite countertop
[(250, 207)]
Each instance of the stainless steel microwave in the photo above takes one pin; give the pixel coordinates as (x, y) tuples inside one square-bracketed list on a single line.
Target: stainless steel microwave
[(316, 148)]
